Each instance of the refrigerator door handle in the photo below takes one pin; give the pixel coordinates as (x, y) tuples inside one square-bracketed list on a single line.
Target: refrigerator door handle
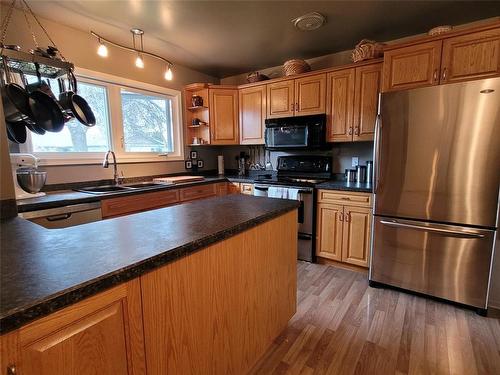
[(427, 228), (376, 177)]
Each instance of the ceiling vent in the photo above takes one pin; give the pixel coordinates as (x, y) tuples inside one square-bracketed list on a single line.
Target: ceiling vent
[(310, 21)]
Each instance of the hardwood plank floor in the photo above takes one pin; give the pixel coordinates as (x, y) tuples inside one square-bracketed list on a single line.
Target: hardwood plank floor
[(342, 326)]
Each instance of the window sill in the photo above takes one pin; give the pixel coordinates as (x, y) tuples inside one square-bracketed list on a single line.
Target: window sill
[(93, 161)]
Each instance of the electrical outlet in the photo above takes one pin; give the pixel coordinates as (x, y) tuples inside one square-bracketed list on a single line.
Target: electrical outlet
[(355, 161)]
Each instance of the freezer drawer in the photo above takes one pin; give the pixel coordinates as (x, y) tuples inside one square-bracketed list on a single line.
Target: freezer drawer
[(445, 261)]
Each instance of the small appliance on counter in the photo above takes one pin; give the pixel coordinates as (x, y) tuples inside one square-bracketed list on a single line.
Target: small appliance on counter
[(28, 180)]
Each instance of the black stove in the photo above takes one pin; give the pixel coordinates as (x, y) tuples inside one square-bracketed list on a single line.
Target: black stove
[(295, 179), (303, 170)]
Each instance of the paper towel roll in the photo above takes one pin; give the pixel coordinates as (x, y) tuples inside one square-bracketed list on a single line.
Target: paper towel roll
[(220, 164)]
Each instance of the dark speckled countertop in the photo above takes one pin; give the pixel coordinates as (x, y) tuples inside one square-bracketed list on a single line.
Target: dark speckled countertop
[(43, 270), (345, 186)]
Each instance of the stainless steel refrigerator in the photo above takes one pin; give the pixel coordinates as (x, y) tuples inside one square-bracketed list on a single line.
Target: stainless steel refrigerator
[(437, 175)]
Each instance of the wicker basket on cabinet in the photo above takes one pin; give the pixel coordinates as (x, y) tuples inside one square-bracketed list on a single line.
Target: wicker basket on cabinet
[(367, 49), (295, 66)]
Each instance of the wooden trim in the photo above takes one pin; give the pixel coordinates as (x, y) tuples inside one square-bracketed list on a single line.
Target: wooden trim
[(458, 30), (312, 72), (334, 263)]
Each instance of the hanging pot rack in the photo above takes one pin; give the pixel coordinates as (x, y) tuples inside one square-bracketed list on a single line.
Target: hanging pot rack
[(24, 62)]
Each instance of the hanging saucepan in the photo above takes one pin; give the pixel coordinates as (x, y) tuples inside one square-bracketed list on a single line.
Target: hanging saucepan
[(74, 103), (29, 122), (16, 131), (15, 99), (47, 112)]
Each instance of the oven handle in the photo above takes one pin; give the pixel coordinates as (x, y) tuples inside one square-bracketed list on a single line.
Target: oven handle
[(261, 188)]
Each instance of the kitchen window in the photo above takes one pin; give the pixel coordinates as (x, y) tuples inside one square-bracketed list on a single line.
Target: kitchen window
[(140, 122)]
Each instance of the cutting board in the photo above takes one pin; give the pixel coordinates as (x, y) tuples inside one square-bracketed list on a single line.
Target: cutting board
[(179, 179)]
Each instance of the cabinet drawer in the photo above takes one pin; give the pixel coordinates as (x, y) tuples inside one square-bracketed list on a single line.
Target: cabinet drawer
[(351, 198), (222, 189), (140, 202), (197, 192)]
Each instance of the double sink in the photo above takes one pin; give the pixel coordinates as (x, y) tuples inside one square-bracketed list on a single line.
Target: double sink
[(106, 189)]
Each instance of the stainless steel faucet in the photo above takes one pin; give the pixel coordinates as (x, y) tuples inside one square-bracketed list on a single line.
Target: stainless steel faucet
[(105, 164)]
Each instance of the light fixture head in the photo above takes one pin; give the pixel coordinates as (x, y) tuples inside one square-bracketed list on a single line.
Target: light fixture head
[(168, 74), (102, 50), (309, 22), (139, 62), (136, 31)]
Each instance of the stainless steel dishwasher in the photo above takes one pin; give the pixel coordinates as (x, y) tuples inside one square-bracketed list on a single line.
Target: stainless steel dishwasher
[(66, 216)]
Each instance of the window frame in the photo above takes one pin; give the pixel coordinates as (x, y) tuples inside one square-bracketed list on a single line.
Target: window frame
[(114, 85)]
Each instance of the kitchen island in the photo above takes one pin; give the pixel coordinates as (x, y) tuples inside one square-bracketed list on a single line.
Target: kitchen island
[(202, 287)]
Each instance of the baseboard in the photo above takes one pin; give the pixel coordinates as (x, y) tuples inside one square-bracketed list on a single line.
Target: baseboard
[(334, 263)]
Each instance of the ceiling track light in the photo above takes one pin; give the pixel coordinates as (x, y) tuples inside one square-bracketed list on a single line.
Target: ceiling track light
[(102, 51)]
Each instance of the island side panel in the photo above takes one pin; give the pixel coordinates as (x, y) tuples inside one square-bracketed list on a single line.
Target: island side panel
[(218, 310)]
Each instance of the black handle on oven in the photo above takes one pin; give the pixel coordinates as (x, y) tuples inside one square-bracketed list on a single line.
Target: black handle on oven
[(305, 192), (260, 188)]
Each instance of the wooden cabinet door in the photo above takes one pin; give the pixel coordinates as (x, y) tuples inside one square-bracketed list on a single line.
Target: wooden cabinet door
[(471, 56), (252, 101), (234, 188), (246, 189), (356, 235), (310, 95), (126, 205), (329, 231), (340, 104), (198, 192), (223, 116), (100, 335), (412, 66), (367, 88), (280, 99)]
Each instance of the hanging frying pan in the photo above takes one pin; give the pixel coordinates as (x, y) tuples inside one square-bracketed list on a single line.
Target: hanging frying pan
[(16, 131), (77, 104), (15, 99)]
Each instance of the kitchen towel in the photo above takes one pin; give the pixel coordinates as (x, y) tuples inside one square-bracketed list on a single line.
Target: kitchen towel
[(293, 194)]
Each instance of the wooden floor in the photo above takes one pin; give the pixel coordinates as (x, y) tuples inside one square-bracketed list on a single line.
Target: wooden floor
[(342, 326)]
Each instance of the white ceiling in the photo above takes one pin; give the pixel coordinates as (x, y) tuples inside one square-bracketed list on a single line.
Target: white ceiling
[(224, 38)]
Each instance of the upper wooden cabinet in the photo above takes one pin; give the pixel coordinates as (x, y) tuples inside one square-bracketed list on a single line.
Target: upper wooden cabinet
[(100, 335), (366, 91), (352, 97), (456, 58), (297, 97), (280, 99), (310, 95), (252, 105), (339, 110), (412, 66), (471, 56), (223, 116)]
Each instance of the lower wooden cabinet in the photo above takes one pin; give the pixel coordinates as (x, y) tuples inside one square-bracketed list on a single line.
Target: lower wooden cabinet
[(100, 335), (246, 189), (126, 205), (344, 227)]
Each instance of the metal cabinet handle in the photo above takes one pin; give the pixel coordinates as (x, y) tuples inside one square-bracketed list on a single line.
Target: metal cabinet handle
[(350, 130), (348, 217), (11, 370), (341, 216), (444, 74), (435, 75), (458, 233), (356, 130)]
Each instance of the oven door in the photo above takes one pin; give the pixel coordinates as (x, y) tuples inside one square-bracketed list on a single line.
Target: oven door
[(285, 137)]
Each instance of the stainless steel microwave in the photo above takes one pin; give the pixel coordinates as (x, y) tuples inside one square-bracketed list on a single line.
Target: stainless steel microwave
[(297, 133)]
